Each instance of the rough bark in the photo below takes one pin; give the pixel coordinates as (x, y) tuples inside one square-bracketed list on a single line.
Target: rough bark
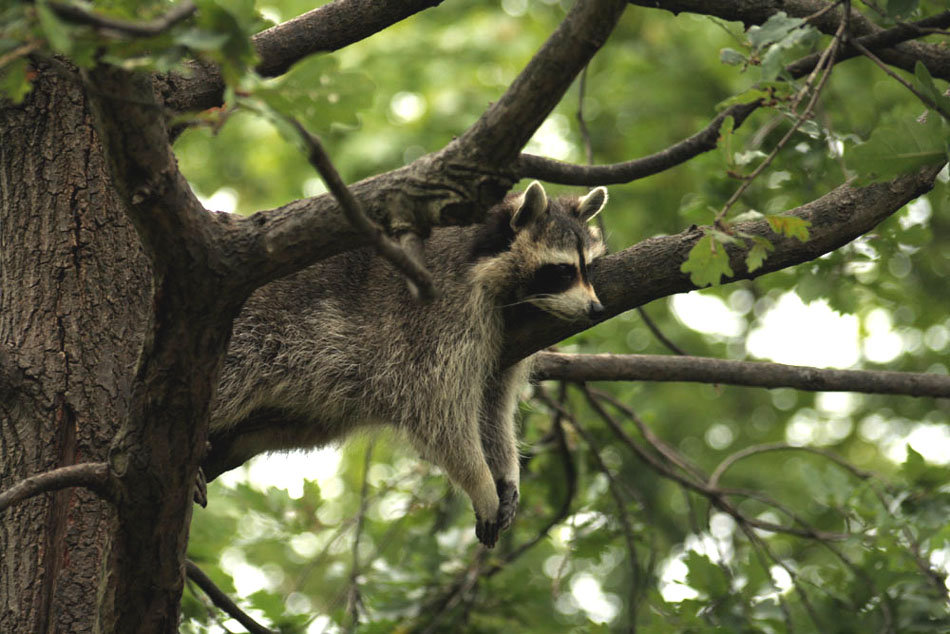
[(109, 355), (75, 287)]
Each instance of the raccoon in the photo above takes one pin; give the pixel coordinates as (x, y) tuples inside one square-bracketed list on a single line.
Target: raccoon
[(342, 346)]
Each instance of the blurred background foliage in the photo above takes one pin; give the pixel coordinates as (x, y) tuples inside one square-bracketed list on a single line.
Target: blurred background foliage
[(372, 537)]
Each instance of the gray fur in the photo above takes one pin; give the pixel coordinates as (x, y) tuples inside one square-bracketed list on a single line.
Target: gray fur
[(341, 346)]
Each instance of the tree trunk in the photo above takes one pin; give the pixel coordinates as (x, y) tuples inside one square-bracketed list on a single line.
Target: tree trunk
[(75, 287)]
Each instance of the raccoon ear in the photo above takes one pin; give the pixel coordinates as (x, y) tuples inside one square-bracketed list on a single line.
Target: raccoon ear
[(591, 204), (534, 203)]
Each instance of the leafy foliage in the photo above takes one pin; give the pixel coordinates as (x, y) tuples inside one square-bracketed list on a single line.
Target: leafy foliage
[(825, 514)]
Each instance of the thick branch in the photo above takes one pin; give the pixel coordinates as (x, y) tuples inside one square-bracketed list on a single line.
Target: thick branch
[(651, 269), (327, 28), (92, 475), (554, 171), (169, 219), (648, 367), (751, 12), (157, 449), (501, 132)]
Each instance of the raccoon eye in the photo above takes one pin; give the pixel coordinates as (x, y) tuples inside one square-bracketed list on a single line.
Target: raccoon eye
[(552, 278), (564, 272)]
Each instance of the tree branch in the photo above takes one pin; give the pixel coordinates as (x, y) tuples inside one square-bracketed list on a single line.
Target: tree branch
[(649, 367), (501, 132), (750, 12), (553, 171), (91, 475), (222, 600), (77, 15), (328, 28), (170, 221), (420, 280), (651, 269)]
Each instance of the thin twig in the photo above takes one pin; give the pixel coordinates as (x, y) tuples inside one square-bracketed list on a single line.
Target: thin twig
[(655, 441), (821, 12), (19, 51), (77, 15), (407, 260), (638, 590), (717, 497), (465, 583), (930, 103), (781, 446), (91, 475), (662, 338), (222, 600), (354, 600), (826, 62)]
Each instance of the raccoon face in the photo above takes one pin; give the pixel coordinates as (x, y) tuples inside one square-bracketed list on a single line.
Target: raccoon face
[(562, 245), (548, 249)]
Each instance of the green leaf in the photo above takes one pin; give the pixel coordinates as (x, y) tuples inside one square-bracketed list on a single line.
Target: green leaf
[(14, 80), (790, 226), (318, 94), (775, 29), (56, 32), (925, 84), (705, 576), (707, 262), (899, 148), (731, 57), (201, 40), (916, 470), (725, 139), (753, 95), (757, 254), (901, 8)]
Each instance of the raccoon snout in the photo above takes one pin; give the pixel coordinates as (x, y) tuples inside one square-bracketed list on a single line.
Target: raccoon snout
[(595, 309)]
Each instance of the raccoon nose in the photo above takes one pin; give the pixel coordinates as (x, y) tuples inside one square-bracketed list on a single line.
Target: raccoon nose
[(595, 309)]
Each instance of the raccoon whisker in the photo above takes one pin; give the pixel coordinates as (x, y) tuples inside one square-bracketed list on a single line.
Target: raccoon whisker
[(527, 300)]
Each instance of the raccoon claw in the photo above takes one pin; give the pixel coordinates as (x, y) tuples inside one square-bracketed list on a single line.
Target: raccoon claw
[(486, 532), (201, 489)]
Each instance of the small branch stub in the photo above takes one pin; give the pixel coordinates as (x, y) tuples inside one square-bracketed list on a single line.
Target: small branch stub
[(405, 256), (92, 475)]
